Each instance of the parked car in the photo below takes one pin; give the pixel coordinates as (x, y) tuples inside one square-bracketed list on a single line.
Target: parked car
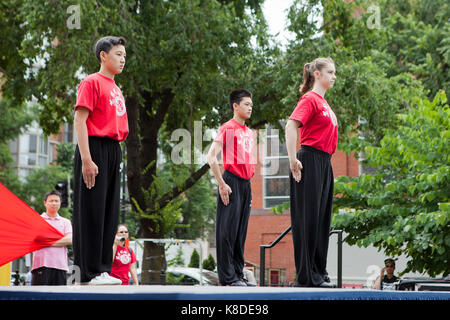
[(190, 277), (424, 284)]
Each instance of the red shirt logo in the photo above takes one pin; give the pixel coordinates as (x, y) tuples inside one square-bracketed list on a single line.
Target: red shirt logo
[(118, 102)]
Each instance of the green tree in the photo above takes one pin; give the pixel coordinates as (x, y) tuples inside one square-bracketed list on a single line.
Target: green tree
[(411, 35), (195, 260), (198, 209), (12, 65), (13, 119), (404, 207), (38, 183), (65, 152), (178, 260), (209, 263), (370, 88)]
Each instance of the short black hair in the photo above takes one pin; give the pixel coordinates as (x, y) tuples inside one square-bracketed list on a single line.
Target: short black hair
[(106, 43), (53, 192), (237, 95), (390, 260)]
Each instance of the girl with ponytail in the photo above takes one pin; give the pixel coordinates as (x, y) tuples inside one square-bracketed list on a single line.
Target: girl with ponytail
[(311, 177)]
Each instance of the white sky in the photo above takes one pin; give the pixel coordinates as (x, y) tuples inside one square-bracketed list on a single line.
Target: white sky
[(275, 12)]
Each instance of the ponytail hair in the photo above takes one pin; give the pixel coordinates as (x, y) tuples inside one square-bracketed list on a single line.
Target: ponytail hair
[(308, 72)]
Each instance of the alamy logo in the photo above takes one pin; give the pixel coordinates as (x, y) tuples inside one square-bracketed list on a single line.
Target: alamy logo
[(118, 102)]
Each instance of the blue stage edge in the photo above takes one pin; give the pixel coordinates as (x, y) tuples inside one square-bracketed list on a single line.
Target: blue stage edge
[(208, 293)]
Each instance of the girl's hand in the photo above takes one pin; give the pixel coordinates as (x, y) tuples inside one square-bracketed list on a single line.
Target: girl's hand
[(296, 168)]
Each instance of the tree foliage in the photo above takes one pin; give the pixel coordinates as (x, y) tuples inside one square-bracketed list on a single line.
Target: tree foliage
[(209, 263), (404, 207), (13, 120), (38, 183), (195, 260)]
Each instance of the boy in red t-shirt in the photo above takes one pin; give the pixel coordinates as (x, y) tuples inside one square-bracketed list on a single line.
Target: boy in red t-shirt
[(236, 142), (100, 124), (311, 177)]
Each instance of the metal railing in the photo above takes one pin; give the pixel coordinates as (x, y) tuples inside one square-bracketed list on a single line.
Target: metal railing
[(176, 241), (263, 247)]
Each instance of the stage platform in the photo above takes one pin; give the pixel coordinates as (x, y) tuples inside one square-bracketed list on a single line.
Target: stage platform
[(207, 293)]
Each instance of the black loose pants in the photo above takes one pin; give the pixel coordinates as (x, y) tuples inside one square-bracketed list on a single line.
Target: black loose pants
[(96, 211), (311, 204), (44, 276), (231, 228)]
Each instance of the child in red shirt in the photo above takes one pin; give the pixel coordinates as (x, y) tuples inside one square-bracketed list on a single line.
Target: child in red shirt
[(236, 143), (311, 177), (100, 124)]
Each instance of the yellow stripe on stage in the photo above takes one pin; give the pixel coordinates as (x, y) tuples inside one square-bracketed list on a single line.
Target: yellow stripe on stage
[(5, 274)]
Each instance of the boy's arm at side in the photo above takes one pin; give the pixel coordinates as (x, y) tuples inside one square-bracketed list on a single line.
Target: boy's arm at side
[(90, 169), (224, 189), (215, 149)]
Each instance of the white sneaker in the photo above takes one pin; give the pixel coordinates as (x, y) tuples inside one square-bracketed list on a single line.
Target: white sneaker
[(104, 279)]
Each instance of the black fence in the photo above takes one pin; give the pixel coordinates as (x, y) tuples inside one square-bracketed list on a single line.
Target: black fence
[(262, 257)]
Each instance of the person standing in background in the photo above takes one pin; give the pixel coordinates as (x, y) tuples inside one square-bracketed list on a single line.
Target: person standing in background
[(50, 265), (386, 281)]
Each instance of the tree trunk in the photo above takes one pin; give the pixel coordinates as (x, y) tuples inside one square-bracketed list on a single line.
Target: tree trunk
[(154, 262), (133, 152), (142, 145)]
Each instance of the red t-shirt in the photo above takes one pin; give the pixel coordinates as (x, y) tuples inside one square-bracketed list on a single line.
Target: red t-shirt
[(238, 145), (320, 126), (121, 264), (108, 114)]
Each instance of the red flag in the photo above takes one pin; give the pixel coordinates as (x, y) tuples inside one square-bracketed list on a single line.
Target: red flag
[(22, 230)]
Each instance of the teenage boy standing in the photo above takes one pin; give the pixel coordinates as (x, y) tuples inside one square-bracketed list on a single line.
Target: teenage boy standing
[(100, 124), (236, 142)]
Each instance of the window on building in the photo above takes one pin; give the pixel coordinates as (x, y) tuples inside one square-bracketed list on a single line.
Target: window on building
[(31, 159), (43, 145), (52, 152), (43, 152), (13, 146), (68, 132), (32, 146), (276, 170), (277, 277), (274, 278)]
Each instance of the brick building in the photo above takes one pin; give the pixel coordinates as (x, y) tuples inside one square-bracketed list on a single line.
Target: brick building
[(270, 187)]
